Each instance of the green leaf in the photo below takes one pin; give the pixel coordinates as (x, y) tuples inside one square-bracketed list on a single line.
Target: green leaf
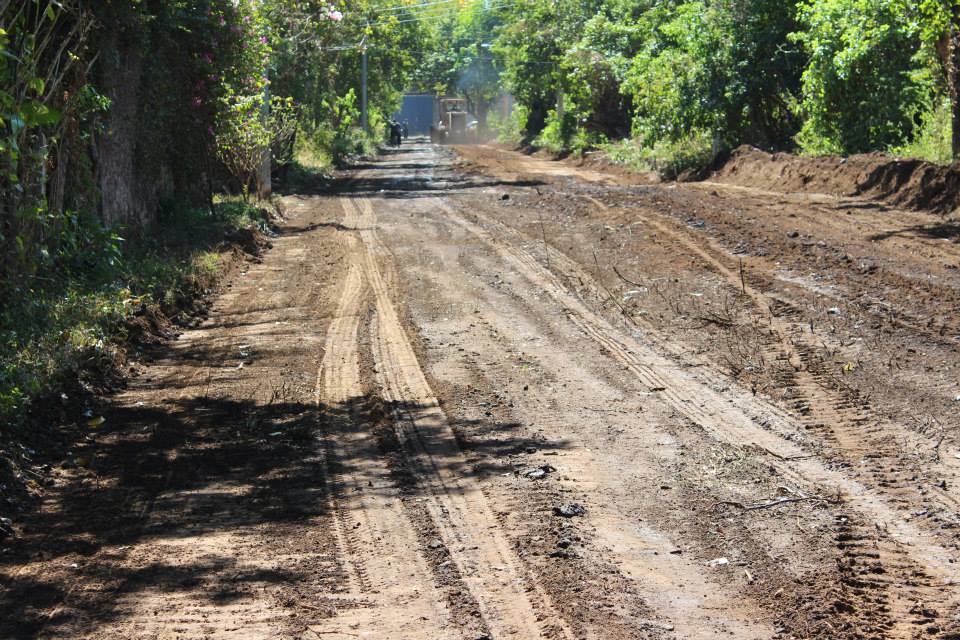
[(37, 85), (36, 114)]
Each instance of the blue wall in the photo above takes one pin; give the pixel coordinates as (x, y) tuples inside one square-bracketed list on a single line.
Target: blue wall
[(418, 111)]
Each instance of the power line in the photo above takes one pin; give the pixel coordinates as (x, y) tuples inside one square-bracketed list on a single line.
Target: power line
[(422, 17), (427, 18), (407, 7)]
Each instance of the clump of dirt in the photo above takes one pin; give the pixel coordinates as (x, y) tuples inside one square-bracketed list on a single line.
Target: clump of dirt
[(912, 184), (250, 240), (148, 326)]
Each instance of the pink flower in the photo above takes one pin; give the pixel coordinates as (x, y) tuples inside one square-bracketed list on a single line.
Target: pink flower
[(336, 16), (263, 39), (222, 21), (208, 57), (210, 130), (197, 102)]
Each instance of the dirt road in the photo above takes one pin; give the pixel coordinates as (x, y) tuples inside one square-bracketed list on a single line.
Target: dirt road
[(485, 395)]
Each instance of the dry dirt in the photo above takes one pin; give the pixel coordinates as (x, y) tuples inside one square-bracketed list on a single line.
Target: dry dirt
[(907, 183), (476, 394)]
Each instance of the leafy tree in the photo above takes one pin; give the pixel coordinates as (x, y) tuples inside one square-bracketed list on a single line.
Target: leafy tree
[(532, 45), (248, 128), (722, 67), (940, 20), (594, 70), (461, 61), (39, 42), (317, 53), (866, 80)]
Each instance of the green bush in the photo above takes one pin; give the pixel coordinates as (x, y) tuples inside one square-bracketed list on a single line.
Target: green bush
[(342, 137), (867, 75), (69, 310), (557, 133), (667, 159), (933, 139), (509, 130)]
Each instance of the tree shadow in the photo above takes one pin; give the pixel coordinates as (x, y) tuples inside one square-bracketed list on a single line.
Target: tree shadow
[(191, 466), (941, 231), (391, 187), (178, 463)]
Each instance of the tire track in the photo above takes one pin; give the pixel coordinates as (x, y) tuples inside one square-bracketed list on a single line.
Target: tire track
[(511, 603), (916, 569), (398, 598), (872, 448), (826, 406)]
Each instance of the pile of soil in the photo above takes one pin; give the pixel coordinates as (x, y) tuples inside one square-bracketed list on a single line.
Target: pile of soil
[(912, 184), (249, 239)]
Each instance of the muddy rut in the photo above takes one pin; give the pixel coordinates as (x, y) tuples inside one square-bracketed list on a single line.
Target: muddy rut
[(436, 410)]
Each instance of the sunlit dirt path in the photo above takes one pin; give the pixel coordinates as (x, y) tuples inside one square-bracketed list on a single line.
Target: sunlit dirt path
[(489, 397)]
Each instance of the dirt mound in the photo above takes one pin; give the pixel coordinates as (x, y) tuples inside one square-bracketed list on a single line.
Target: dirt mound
[(913, 184), (148, 326), (250, 239)]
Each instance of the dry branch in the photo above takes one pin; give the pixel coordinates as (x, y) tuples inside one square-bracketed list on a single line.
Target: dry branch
[(771, 503)]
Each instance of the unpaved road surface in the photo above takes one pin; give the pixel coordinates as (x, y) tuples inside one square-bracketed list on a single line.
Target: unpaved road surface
[(475, 394)]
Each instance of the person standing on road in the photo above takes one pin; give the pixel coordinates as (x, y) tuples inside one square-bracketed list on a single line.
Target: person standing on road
[(396, 133)]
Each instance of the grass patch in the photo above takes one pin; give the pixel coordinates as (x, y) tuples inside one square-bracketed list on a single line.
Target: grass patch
[(667, 159), (68, 313), (510, 129), (933, 140)]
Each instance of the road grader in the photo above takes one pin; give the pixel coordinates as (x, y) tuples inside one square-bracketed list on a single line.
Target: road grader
[(455, 125)]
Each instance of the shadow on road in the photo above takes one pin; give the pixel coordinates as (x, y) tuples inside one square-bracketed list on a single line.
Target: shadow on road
[(177, 460), (943, 231)]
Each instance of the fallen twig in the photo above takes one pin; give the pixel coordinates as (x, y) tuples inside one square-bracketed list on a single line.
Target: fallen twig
[(777, 455), (600, 282), (625, 279), (936, 447), (543, 232), (710, 319), (769, 505), (324, 633)]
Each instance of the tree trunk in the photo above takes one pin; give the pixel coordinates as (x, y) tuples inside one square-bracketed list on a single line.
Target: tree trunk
[(482, 111), (58, 183), (953, 83), (116, 147)]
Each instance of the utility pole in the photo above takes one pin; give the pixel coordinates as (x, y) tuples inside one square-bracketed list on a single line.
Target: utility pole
[(264, 186), (363, 89), (560, 105)]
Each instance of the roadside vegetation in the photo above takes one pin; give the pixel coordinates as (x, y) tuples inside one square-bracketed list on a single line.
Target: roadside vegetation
[(665, 84), (132, 137)]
